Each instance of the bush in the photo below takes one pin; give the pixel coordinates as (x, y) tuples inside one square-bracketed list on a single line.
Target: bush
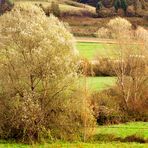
[(55, 9), (106, 107), (52, 8), (103, 33), (6, 5), (134, 138), (98, 67), (119, 29), (46, 9), (109, 108), (132, 62), (113, 138), (39, 98), (131, 70)]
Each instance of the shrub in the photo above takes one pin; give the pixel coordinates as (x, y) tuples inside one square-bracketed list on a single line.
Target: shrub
[(133, 61), (46, 9), (111, 138), (103, 67), (98, 67), (55, 9), (134, 138), (104, 137), (131, 69), (103, 33), (6, 5), (119, 28), (38, 92), (106, 107)]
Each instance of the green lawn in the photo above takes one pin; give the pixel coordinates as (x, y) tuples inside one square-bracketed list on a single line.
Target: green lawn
[(98, 83), (91, 50)]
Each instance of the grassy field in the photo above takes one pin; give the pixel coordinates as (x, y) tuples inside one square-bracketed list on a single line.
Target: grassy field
[(139, 129), (121, 130), (79, 145), (98, 83), (92, 50)]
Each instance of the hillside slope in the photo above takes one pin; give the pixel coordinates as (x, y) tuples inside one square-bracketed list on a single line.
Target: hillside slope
[(81, 17), (67, 7)]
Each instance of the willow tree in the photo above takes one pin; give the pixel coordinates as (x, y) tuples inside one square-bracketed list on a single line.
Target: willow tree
[(38, 94)]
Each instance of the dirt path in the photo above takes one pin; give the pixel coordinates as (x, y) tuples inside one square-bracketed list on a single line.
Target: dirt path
[(95, 40)]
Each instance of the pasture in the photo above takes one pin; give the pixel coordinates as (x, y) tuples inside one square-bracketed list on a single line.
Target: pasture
[(110, 132), (90, 50), (139, 129), (98, 83)]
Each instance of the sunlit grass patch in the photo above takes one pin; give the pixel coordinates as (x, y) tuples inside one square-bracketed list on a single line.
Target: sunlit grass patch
[(123, 130), (98, 83), (91, 50)]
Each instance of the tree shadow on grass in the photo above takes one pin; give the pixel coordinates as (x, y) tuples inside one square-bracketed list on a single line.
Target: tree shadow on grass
[(111, 138)]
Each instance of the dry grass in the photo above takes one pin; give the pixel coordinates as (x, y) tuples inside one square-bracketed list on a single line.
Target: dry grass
[(67, 8), (88, 26)]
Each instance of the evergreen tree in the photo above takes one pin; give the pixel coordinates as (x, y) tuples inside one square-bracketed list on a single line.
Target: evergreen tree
[(99, 5), (117, 4), (120, 4), (83, 1), (124, 5)]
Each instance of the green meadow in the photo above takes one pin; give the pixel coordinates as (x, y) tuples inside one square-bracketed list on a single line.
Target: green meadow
[(139, 129), (91, 50), (104, 138), (98, 83)]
